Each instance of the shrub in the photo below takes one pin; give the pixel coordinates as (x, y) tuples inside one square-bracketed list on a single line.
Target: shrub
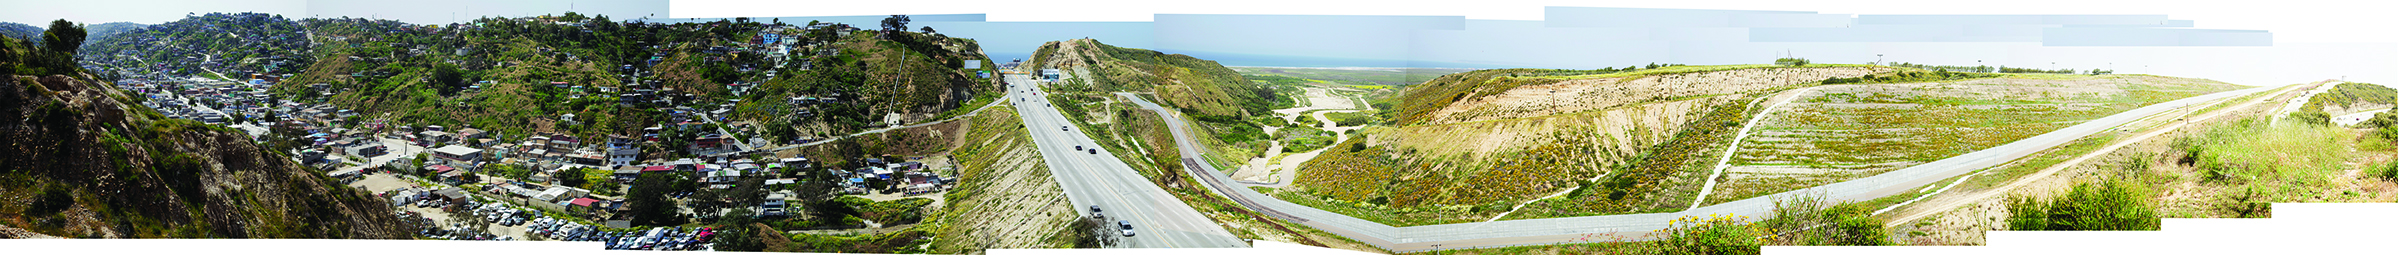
[(1807, 220), (51, 200), (2106, 205), (1715, 234), (2249, 201), (2311, 118)]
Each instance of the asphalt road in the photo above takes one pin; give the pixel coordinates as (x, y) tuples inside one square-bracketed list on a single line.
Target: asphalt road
[(1159, 219), (1635, 226)]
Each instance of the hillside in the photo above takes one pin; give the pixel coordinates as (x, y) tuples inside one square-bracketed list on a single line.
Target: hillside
[(1007, 200), (522, 75), (1199, 86), (902, 77), (1531, 143), (22, 32), (87, 161), (414, 75), (1842, 132), (104, 30), (214, 44), (2351, 97), (1469, 146)]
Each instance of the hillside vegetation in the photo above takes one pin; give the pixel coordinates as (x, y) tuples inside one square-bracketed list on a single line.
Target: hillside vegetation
[(207, 45), (1222, 103), (1469, 146), (2352, 97), (415, 78), (1843, 132), (87, 161), (1201, 87), (497, 73), (917, 76), (22, 32)]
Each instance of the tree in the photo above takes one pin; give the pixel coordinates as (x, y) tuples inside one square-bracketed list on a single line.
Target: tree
[(1092, 233), (895, 23), (648, 201), (63, 36), (741, 236), (570, 177), (927, 30), (449, 77)]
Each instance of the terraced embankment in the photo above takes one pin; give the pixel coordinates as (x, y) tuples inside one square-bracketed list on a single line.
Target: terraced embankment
[(1843, 132), (1472, 145), (1006, 198)]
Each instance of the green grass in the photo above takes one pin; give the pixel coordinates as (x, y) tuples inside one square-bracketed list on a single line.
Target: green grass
[(2351, 94), (2097, 205), (2246, 151)]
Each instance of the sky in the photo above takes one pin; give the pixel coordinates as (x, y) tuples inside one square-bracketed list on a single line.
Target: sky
[(2289, 41), (2247, 42)]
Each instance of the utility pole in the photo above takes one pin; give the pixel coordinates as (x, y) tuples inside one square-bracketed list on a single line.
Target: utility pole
[(1877, 59)]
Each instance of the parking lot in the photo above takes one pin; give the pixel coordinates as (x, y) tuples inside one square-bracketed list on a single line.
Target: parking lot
[(384, 183)]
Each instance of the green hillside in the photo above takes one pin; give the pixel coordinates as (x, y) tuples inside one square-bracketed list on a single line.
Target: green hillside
[(2352, 96), (207, 45), (1201, 87), (497, 73), (22, 32), (88, 161)]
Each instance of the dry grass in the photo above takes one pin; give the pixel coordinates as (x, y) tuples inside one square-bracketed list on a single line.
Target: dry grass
[(1007, 199)]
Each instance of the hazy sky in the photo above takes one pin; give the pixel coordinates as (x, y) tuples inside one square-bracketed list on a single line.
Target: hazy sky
[(2309, 39)]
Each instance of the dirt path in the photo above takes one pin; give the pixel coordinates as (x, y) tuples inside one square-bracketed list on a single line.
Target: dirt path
[(1272, 172), (1938, 206), (1724, 162)]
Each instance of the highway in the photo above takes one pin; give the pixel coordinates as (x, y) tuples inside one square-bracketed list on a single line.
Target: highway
[(1637, 226), (1159, 219)]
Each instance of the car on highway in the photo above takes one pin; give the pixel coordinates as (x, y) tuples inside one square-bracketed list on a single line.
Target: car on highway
[(1063, 128), (1126, 224), (1094, 151), (1078, 147)]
